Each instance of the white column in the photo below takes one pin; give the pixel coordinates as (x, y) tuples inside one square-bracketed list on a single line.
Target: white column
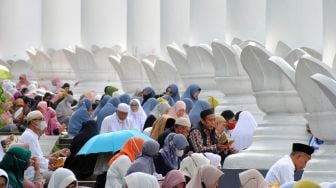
[(61, 23), (329, 32), (297, 23), (104, 23), (20, 27), (207, 20), (143, 27), (175, 22), (246, 20)]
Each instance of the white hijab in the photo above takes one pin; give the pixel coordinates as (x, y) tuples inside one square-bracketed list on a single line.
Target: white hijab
[(243, 132), (4, 173), (252, 179), (61, 178), (140, 179), (138, 117), (190, 164)]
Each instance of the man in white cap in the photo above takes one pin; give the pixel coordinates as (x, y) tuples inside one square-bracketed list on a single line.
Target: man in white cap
[(118, 120), (182, 126), (36, 127)]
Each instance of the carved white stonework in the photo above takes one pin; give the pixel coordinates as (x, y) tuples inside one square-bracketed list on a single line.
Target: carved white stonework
[(315, 82), (131, 72), (293, 56), (273, 86), (282, 49), (161, 74), (314, 53)]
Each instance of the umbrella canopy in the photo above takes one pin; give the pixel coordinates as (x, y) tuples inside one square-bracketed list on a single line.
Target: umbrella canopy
[(109, 142), (4, 72)]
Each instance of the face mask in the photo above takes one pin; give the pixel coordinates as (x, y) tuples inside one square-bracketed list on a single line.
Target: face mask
[(231, 125), (42, 125), (179, 153)]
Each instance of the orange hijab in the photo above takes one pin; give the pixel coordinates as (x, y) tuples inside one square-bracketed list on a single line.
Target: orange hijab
[(132, 147)]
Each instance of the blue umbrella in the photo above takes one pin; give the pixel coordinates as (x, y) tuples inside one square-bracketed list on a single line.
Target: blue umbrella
[(109, 142)]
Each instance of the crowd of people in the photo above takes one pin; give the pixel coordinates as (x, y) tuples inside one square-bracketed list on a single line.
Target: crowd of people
[(188, 147)]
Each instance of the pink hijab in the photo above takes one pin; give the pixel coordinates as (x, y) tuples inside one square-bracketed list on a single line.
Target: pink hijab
[(175, 108), (56, 81), (23, 82), (173, 178), (50, 118)]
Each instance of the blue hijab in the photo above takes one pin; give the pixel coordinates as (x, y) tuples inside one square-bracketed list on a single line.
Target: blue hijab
[(101, 105), (190, 91), (194, 114), (189, 104), (107, 110), (80, 115), (125, 98), (171, 143), (147, 93), (149, 105), (175, 92)]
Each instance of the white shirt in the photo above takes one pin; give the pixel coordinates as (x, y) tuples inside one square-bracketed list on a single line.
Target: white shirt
[(31, 138), (281, 172), (112, 123), (117, 171)]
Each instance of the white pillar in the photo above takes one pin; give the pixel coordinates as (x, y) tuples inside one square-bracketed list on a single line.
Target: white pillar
[(329, 32), (207, 20), (104, 23), (246, 20), (20, 27), (143, 27), (61, 23), (297, 23), (175, 22)]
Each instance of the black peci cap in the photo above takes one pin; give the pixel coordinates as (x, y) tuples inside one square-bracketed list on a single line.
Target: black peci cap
[(298, 147)]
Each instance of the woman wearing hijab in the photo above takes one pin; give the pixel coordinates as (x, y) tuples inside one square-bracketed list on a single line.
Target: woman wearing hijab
[(23, 82), (207, 177), (125, 98), (170, 155), (120, 162), (243, 132), (107, 110), (100, 106), (137, 114), (147, 93), (174, 179), (79, 116), (75, 163), (63, 109), (53, 126), (145, 163), (194, 114), (190, 164), (63, 178), (57, 83), (140, 179), (4, 181), (15, 162), (150, 105), (158, 111), (189, 104), (252, 179), (192, 92), (173, 92), (163, 123), (178, 110)]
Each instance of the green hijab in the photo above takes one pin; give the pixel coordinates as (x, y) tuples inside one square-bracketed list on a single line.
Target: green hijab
[(15, 162), (109, 90)]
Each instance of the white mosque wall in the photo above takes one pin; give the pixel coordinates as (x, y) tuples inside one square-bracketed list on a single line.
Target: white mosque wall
[(104, 23), (20, 27), (175, 25), (297, 23), (245, 20), (143, 27), (329, 32), (207, 21), (61, 23)]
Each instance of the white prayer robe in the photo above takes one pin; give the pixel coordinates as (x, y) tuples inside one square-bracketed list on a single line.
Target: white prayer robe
[(281, 172)]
